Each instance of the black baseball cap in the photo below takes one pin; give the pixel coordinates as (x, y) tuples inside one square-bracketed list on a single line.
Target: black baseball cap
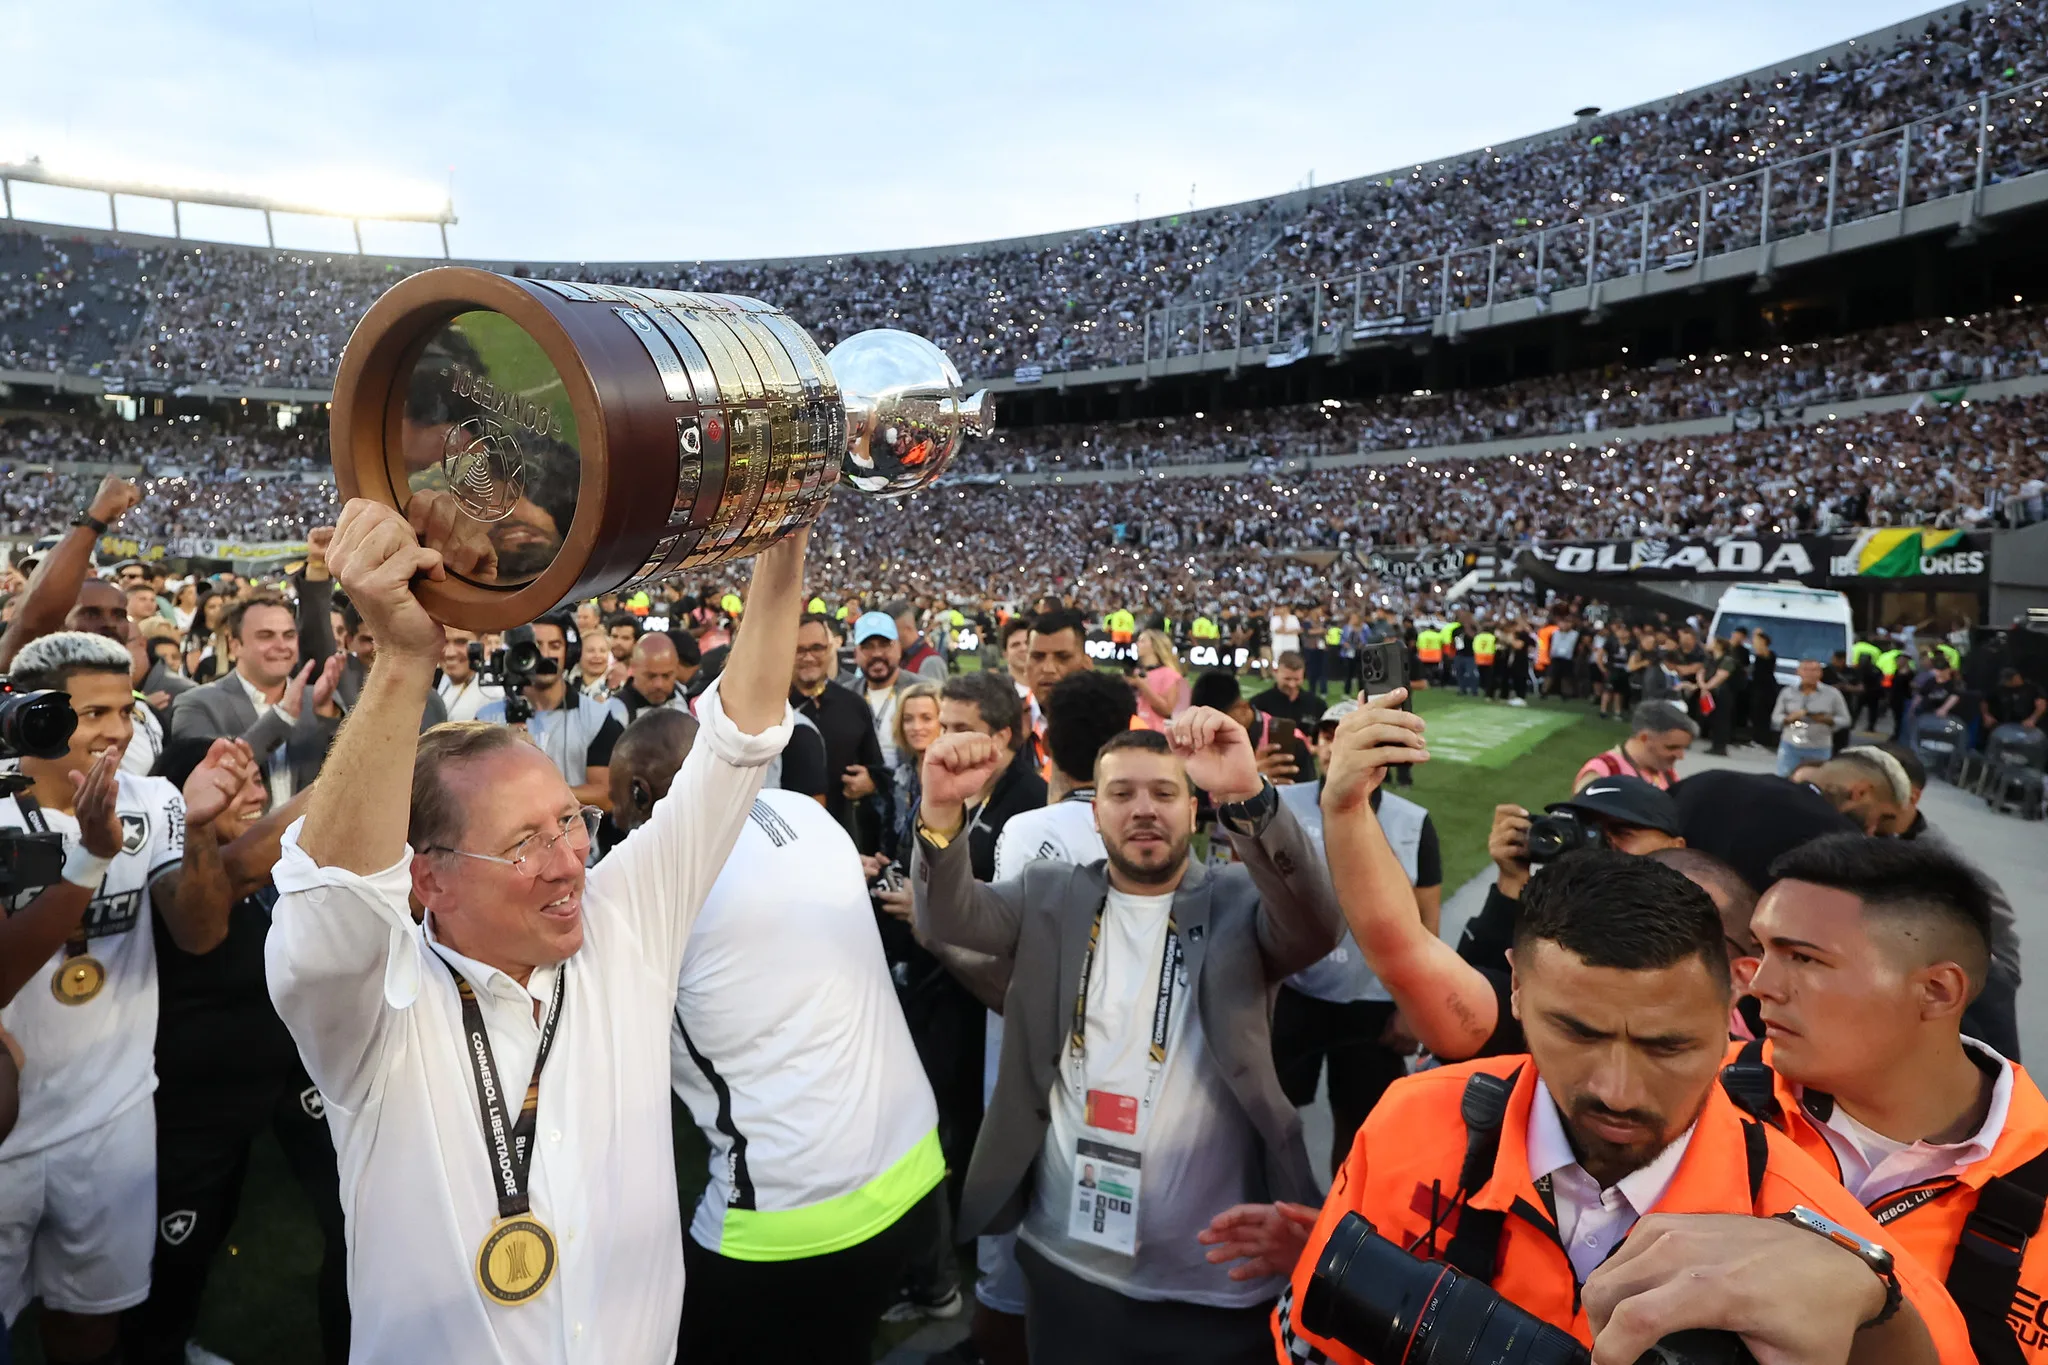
[(1625, 800), (1748, 819)]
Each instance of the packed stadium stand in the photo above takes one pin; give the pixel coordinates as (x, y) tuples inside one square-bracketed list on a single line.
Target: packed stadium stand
[(1700, 411)]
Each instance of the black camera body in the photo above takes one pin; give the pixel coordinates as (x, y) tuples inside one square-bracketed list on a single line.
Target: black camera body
[(1560, 832), (1396, 1309), (514, 666), (32, 725)]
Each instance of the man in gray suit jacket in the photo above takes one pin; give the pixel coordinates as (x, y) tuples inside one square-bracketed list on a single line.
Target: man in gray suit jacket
[(268, 700), (1136, 1095)]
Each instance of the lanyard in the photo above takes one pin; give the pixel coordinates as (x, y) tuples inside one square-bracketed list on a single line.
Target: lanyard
[(508, 1146), (32, 816), (1170, 959)]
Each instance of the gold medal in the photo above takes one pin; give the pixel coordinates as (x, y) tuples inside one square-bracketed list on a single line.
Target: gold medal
[(78, 979), (516, 1260)]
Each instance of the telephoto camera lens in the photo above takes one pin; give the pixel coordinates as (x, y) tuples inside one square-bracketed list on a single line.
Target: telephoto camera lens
[(36, 724), (1395, 1309)]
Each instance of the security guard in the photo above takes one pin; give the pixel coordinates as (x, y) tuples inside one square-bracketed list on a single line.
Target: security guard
[(1529, 1171), (1871, 950), (1121, 625), (1429, 648), (1483, 645)]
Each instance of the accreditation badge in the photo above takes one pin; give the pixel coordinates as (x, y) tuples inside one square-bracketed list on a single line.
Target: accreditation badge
[(78, 979), (1104, 1207), (516, 1260)]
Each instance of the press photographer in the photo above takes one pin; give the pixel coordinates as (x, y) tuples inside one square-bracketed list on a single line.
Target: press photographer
[(574, 732), (1528, 1172)]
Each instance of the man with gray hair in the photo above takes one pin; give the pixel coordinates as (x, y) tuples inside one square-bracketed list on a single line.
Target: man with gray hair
[(482, 1226), (1660, 733)]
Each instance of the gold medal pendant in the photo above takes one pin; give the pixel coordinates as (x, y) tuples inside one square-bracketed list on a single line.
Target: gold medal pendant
[(78, 979), (516, 1260)]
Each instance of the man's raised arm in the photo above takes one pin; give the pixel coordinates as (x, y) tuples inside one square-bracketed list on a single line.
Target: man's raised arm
[(755, 685), (360, 808), (1446, 1002), (53, 588)]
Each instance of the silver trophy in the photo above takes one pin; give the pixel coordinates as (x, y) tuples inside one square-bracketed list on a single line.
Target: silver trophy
[(558, 440)]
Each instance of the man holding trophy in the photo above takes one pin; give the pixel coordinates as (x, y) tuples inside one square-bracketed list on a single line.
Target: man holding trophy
[(496, 1072)]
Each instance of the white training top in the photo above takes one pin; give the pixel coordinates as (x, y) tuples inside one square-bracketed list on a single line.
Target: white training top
[(788, 1044), (88, 1063), (1064, 832), (379, 1025)]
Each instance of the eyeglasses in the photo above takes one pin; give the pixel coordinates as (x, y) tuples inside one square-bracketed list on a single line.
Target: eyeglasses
[(530, 855)]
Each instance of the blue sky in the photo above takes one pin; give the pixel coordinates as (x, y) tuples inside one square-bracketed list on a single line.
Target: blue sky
[(609, 131)]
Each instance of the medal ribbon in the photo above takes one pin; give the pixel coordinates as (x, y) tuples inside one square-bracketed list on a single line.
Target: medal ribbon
[(1170, 959), (32, 815), (508, 1145)]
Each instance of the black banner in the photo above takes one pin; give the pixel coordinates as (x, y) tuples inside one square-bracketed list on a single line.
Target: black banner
[(1886, 556)]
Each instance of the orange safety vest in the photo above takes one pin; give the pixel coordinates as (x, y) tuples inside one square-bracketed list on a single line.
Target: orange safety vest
[(1930, 1219), (1403, 1174), (1543, 634)]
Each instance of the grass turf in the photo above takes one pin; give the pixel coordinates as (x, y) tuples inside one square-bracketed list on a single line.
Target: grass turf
[(259, 1307)]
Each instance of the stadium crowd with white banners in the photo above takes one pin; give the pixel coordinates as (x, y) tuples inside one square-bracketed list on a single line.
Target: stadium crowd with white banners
[(938, 934)]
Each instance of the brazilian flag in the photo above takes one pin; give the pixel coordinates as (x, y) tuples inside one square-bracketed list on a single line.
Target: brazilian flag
[(1895, 551)]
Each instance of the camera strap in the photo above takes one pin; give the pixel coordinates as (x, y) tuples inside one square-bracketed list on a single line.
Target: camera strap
[(38, 823), (1985, 1274)]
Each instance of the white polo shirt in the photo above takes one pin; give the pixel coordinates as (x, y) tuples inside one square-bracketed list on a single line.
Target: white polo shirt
[(90, 1062), (379, 1026)]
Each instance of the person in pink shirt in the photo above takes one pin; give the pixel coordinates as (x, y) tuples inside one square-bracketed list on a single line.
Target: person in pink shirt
[(1158, 682)]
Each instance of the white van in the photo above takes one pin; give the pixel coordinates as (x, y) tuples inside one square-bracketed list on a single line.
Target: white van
[(1803, 623)]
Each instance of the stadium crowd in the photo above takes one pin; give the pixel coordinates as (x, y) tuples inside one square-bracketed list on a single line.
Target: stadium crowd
[(1212, 538), (865, 912), (240, 315)]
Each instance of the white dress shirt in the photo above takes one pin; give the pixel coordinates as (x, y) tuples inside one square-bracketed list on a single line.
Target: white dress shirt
[(1874, 1165), (379, 1026), (277, 764), (1591, 1221), (465, 699)]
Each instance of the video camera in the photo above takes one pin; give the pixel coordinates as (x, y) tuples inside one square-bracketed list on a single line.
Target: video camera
[(515, 665), (1395, 1309), (32, 725)]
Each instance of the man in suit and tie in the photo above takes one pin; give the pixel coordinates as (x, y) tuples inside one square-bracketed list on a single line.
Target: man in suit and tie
[(269, 700), (1136, 1094)]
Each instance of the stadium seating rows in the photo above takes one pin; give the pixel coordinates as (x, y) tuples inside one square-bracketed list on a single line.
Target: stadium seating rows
[(190, 313)]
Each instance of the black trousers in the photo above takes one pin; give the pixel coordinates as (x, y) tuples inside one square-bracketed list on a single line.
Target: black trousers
[(819, 1309), (1307, 1032), (203, 1136), (1070, 1321)]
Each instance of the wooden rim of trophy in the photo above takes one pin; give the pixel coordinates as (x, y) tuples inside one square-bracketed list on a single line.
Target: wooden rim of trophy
[(608, 536)]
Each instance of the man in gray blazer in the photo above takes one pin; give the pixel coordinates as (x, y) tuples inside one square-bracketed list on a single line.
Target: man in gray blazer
[(1136, 1095), (268, 700)]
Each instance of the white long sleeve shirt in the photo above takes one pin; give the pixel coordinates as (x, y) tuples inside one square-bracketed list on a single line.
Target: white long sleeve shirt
[(379, 1026)]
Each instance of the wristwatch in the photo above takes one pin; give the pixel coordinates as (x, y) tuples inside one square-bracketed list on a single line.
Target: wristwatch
[(1250, 816), (86, 518), (1862, 1248)]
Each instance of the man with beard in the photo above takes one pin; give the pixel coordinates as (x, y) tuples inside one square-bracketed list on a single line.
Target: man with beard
[(879, 677), (1136, 1038), (1529, 1172)]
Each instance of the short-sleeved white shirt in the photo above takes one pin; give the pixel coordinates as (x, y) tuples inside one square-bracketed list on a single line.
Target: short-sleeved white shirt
[(379, 1025), (1064, 832), (92, 1061), (790, 1047)]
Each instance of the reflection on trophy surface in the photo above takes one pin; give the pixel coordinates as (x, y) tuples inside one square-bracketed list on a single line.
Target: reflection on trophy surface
[(557, 440)]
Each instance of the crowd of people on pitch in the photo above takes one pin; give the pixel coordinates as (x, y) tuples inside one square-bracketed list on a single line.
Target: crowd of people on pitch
[(241, 315), (1039, 956)]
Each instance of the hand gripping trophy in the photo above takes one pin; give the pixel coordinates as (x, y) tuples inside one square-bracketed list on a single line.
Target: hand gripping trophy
[(555, 440)]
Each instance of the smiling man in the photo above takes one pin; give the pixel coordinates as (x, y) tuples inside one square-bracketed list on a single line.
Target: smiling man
[(481, 1228)]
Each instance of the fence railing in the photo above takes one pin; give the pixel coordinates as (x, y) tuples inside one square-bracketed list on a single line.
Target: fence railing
[(1961, 150)]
